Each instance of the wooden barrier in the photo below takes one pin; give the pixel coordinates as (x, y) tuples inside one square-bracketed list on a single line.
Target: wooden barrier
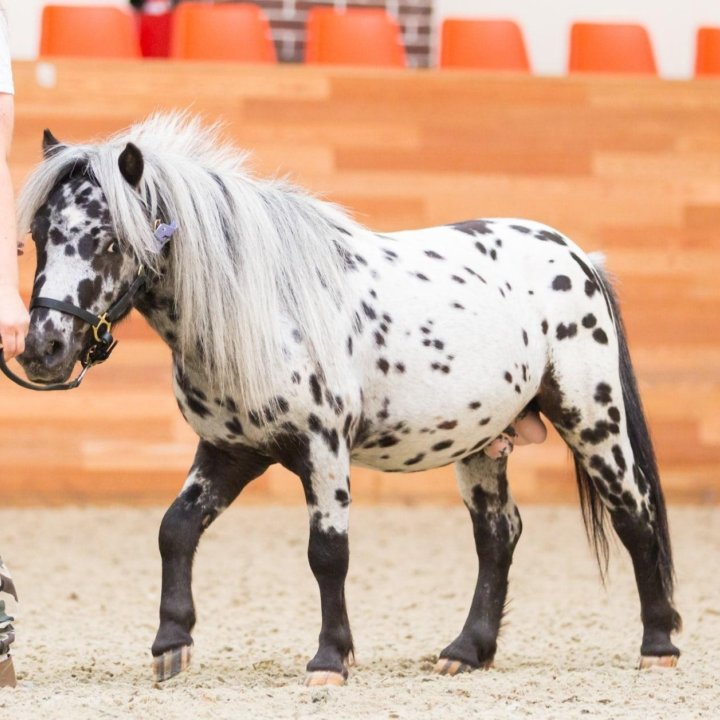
[(627, 166)]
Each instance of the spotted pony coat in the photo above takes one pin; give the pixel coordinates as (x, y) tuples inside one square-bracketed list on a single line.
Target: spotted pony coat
[(456, 331)]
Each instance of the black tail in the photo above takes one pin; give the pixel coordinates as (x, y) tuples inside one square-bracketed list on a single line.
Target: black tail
[(646, 471)]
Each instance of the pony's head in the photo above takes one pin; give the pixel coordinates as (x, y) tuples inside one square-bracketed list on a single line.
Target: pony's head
[(82, 263)]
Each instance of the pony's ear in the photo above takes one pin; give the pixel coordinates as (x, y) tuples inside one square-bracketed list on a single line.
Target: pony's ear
[(131, 164), (49, 143)]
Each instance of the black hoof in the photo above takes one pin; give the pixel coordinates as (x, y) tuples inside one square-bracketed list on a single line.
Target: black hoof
[(474, 654)]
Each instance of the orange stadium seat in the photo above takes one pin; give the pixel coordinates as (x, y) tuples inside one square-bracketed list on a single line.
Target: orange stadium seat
[(238, 32), (356, 36), (90, 31), (707, 51), (483, 44), (610, 48)]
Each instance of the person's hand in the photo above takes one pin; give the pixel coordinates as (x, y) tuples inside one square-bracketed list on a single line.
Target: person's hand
[(14, 321)]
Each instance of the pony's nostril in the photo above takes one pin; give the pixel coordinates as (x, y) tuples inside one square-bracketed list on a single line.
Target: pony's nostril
[(53, 349)]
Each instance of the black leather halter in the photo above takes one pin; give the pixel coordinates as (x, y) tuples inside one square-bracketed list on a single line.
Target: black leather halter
[(103, 342)]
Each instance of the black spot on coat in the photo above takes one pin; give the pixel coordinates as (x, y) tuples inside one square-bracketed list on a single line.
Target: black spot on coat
[(442, 445), (89, 291), (388, 441), (234, 426), (550, 236), (197, 407), (315, 389), (473, 227), (562, 282), (603, 394), (565, 331), (369, 312), (600, 432)]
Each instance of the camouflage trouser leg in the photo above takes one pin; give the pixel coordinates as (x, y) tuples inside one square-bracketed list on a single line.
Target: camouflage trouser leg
[(7, 632), (6, 583)]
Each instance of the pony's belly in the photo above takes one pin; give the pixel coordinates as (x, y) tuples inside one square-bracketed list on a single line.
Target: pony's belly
[(405, 447), (420, 419)]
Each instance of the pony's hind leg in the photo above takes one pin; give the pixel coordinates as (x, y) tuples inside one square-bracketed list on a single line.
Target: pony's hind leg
[(215, 480), (497, 527), (601, 420)]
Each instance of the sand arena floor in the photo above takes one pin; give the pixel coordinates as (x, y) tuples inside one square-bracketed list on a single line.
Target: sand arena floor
[(89, 582)]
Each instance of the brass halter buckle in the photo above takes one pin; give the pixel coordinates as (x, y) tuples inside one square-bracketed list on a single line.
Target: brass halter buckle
[(100, 334)]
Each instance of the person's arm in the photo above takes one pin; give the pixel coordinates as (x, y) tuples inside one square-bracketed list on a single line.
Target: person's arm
[(14, 318)]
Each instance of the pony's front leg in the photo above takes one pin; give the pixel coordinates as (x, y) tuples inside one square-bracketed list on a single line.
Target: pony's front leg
[(497, 527), (215, 480), (323, 467)]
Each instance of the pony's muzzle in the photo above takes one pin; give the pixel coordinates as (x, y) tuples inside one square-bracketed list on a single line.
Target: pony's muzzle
[(46, 356)]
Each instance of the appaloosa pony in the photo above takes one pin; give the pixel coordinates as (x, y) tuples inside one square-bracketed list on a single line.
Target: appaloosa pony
[(300, 337)]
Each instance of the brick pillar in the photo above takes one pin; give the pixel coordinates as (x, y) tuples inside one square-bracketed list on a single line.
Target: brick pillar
[(287, 19)]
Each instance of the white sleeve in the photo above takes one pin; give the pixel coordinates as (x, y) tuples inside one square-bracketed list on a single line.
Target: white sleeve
[(6, 78)]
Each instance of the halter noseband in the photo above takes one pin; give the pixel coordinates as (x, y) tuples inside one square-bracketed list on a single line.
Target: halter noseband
[(99, 350), (103, 342)]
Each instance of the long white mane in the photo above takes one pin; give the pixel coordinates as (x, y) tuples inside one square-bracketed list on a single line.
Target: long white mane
[(247, 253)]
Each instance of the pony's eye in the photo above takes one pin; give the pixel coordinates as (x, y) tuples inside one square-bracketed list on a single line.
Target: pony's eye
[(113, 247)]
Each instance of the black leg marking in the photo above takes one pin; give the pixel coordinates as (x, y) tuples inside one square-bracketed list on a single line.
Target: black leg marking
[(497, 528), (221, 475), (659, 618), (329, 556)]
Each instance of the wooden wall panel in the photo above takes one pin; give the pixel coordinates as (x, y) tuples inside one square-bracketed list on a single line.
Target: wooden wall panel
[(627, 166)]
